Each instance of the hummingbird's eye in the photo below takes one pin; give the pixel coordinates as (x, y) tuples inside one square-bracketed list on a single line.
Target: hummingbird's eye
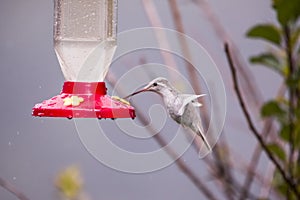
[(154, 84)]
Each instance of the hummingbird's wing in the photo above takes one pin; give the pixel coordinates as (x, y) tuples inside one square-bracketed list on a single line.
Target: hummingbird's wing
[(187, 98)]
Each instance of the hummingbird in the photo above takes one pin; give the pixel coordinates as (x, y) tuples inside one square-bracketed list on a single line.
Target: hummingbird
[(182, 108)]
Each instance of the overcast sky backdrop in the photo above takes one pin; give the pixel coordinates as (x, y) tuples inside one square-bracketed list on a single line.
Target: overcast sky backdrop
[(33, 150)]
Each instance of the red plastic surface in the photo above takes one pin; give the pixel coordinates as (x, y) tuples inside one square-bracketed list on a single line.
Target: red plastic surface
[(83, 100)]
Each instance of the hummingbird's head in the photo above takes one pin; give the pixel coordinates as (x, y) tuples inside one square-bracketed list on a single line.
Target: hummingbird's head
[(157, 85)]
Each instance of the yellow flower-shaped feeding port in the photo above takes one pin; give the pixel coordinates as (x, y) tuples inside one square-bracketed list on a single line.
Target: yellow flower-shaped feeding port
[(120, 99), (73, 101)]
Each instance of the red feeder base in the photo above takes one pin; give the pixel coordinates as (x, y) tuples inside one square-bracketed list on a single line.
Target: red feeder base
[(83, 100)]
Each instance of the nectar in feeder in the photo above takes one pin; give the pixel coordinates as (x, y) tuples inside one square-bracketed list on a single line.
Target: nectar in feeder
[(84, 42), (85, 38)]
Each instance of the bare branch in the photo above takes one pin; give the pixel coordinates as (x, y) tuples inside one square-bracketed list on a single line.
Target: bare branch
[(178, 161), (181, 165), (12, 189), (223, 170), (253, 163), (185, 48), (267, 130), (292, 95), (253, 128), (247, 81), (161, 37), (220, 165)]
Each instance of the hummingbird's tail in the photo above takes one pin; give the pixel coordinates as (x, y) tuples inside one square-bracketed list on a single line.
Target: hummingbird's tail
[(200, 133)]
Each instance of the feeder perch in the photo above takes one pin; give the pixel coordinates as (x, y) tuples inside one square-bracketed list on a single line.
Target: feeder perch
[(84, 42)]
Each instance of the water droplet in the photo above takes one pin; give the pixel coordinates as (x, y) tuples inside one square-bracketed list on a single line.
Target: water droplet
[(18, 133), (14, 178), (40, 86), (9, 143)]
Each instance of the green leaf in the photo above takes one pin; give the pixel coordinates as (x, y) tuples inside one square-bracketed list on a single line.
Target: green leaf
[(277, 150), (292, 82), (267, 32), (285, 133), (269, 60), (281, 186), (279, 183), (287, 10), (272, 109)]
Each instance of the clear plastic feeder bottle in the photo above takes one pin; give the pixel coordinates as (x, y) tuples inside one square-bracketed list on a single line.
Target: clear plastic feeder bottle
[(85, 38), (84, 42)]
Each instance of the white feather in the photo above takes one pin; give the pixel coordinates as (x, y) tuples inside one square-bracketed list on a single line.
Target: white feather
[(187, 98)]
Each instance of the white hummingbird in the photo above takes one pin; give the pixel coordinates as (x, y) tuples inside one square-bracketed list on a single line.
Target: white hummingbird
[(181, 107)]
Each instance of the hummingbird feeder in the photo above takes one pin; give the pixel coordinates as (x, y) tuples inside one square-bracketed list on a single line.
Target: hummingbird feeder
[(84, 42)]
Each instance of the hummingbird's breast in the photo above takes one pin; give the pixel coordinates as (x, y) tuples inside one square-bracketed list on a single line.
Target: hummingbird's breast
[(173, 104)]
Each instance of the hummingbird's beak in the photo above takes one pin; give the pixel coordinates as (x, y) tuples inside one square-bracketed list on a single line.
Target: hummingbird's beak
[(144, 89)]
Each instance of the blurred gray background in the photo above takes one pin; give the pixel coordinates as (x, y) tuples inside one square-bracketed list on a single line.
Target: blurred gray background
[(34, 150)]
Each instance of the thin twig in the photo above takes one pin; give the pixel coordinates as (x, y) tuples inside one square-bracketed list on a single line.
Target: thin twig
[(223, 170), (185, 49), (253, 163), (220, 31), (229, 184), (265, 191), (161, 37), (181, 165), (253, 128), (253, 95), (244, 168), (291, 67), (12, 189), (192, 73), (178, 161), (155, 21), (267, 129)]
